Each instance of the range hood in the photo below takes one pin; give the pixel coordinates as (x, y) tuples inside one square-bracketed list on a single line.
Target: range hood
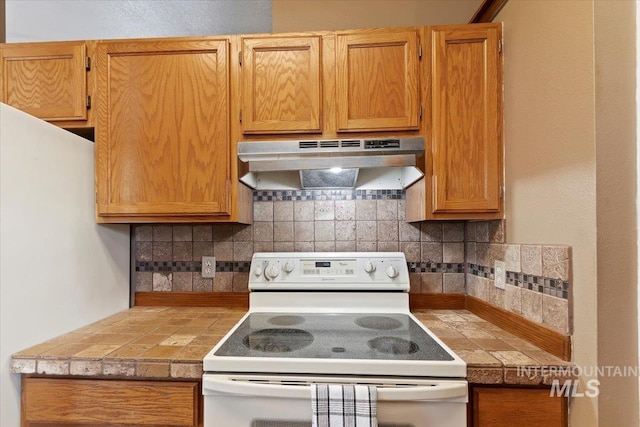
[(383, 163)]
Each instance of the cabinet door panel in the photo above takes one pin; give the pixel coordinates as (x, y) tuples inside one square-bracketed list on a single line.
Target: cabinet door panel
[(466, 108), (75, 402), (163, 137), (281, 85), (498, 407), (46, 80), (377, 81)]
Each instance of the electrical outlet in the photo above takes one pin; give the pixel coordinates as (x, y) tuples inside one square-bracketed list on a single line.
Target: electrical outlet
[(208, 267), (500, 274)]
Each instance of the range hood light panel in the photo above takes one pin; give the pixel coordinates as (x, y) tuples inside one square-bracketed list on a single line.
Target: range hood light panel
[(328, 178)]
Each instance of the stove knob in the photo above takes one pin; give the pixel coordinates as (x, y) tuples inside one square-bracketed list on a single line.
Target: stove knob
[(257, 272), (392, 272), (287, 267), (271, 272), (369, 266)]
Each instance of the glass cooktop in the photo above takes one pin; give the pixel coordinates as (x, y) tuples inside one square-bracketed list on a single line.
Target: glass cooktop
[(332, 336)]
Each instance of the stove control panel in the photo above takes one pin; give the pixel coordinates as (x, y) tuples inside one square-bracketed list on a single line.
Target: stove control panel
[(340, 267), (329, 271)]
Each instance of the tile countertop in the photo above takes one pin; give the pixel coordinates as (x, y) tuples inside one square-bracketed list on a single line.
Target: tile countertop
[(170, 342)]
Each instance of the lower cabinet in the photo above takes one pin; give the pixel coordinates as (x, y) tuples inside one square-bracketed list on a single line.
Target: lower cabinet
[(102, 402), (93, 402), (505, 406)]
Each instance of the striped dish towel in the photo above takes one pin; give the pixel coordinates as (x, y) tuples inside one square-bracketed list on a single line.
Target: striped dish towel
[(343, 405)]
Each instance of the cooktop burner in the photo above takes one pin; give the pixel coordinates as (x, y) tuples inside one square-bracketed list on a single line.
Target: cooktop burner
[(393, 345), (378, 322), (275, 340), (332, 336), (285, 320)]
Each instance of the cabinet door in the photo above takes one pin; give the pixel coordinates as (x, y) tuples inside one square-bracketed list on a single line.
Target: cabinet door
[(499, 407), (377, 81), (281, 85), (466, 110), (163, 128), (91, 402), (46, 80)]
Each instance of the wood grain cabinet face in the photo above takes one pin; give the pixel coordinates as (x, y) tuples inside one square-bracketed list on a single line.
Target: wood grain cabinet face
[(377, 81), (506, 406), (97, 403), (281, 85), (162, 143), (46, 80), (466, 82)]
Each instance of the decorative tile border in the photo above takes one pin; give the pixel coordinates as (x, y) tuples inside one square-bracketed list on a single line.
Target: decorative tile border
[(192, 266), (280, 195), (245, 266), (480, 271), (543, 285), (433, 267)]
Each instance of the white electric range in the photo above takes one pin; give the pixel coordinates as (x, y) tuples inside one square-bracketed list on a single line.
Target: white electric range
[(331, 318)]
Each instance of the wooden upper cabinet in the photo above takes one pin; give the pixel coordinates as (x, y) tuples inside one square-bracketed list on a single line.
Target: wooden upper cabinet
[(162, 142), (377, 80), (466, 127), (46, 80), (281, 84)]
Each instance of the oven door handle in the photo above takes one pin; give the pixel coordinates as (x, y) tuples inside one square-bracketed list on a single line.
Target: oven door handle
[(432, 391)]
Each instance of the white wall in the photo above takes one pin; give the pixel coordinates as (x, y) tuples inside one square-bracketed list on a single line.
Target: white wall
[(306, 15), (616, 177), (58, 269), (550, 144), (638, 162), (571, 169), (41, 20)]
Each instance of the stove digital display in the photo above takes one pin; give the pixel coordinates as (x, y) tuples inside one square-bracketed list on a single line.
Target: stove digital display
[(329, 268)]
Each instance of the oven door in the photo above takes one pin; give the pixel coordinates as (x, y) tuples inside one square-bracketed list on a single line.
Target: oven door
[(285, 401)]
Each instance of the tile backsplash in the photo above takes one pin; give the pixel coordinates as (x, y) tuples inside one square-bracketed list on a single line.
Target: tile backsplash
[(168, 257), (442, 256), (538, 276)]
